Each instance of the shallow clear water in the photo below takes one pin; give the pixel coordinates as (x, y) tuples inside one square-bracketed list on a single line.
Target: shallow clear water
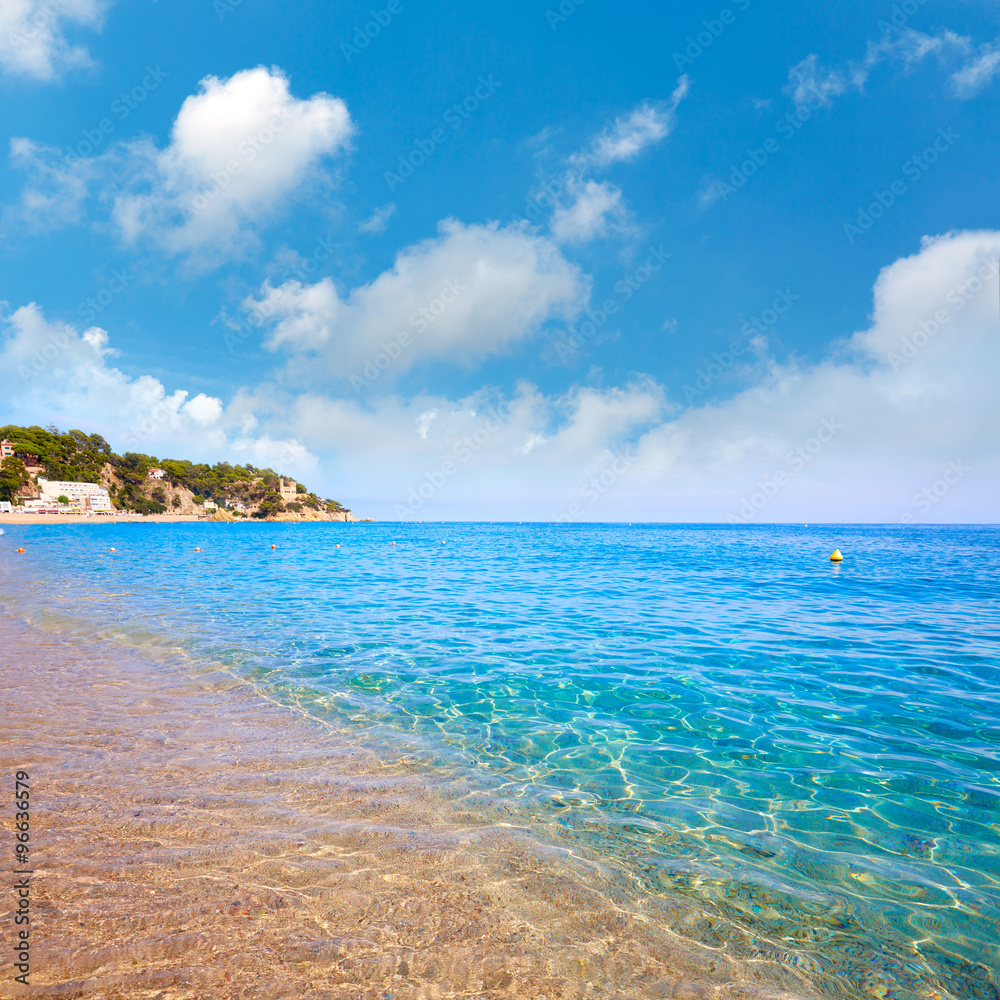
[(808, 751)]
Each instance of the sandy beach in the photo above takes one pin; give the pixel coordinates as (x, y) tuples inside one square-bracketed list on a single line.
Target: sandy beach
[(101, 519), (63, 519), (192, 839)]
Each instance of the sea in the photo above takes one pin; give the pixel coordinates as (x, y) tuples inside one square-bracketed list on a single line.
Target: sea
[(805, 754)]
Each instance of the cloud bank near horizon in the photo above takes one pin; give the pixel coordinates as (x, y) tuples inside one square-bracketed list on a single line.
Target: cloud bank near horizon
[(868, 434)]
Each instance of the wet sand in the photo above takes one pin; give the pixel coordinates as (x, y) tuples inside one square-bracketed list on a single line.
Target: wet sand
[(191, 840)]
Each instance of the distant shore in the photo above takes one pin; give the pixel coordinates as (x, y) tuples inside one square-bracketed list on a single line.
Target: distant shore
[(149, 519)]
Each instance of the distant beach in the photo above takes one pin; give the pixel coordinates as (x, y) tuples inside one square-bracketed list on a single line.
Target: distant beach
[(50, 519), (101, 519)]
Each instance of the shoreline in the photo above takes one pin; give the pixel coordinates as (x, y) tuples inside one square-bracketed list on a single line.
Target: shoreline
[(192, 837), (155, 519)]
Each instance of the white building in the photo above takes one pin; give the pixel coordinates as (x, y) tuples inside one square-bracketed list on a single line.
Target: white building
[(157, 474), (90, 495), (287, 489)]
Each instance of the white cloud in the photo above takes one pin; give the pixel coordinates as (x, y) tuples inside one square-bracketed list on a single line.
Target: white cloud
[(596, 207), (647, 125), (468, 293), (239, 150), (810, 82), (32, 39), (379, 220), (896, 402), (58, 190), (902, 403), (978, 73), (584, 209), (52, 373)]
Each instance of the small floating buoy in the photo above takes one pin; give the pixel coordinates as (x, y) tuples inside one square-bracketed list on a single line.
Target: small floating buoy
[(197, 549), (442, 542), (393, 543), (274, 546), (112, 550), (337, 546), (20, 550), (836, 556)]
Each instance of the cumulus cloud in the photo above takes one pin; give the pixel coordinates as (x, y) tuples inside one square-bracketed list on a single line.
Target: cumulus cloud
[(239, 150), (898, 423), (858, 436), (32, 39), (468, 293), (52, 372)]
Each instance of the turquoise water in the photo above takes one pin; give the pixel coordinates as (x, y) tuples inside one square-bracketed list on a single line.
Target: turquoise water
[(809, 751)]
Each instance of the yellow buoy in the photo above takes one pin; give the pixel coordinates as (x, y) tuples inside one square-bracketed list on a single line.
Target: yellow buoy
[(836, 556), (20, 550)]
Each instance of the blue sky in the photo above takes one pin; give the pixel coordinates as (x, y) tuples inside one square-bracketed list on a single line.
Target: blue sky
[(640, 238)]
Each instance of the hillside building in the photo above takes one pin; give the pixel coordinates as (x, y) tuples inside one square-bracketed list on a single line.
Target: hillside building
[(90, 496), (287, 489)]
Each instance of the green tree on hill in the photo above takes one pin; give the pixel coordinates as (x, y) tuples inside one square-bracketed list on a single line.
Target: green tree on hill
[(13, 478), (74, 457), (78, 457), (270, 505)]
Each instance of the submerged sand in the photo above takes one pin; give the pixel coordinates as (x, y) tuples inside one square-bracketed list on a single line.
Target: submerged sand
[(192, 839)]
